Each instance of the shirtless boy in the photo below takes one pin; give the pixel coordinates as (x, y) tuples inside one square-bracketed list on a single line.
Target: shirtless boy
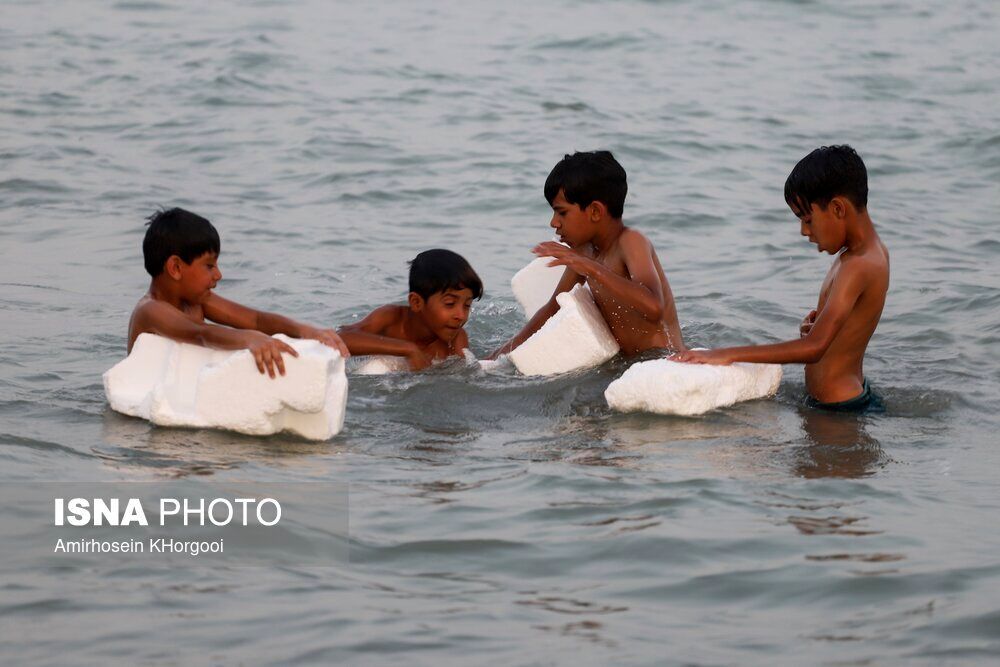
[(587, 194), (430, 326), (181, 253), (828, 191)]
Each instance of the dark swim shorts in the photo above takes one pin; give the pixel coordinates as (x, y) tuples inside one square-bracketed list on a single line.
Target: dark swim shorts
[(866, 401)]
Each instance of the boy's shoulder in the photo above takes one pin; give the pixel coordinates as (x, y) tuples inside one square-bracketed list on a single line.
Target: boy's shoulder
[(149, 304), (632, 235), (389, 311), (384, 317), (874, 259), (632, 240)]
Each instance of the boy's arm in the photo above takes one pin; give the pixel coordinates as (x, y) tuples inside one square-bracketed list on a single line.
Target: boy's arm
[(642, 292), (238, 316), (670, 320), (368, 337), (566, 283), (813, 344), (162, 319)]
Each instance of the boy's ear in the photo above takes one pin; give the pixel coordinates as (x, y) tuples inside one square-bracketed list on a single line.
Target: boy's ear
[(596, 210), (416, 302), (172, 267), (839, 207)]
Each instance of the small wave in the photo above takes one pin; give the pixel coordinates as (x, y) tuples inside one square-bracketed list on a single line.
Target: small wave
[(25, 185)]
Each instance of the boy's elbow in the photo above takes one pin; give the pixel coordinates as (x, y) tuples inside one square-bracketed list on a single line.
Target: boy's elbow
[(815, 350)]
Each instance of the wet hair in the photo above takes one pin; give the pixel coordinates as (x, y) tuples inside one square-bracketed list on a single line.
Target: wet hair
[(175, 231), (827, 172), (439, 270), (588, 177)]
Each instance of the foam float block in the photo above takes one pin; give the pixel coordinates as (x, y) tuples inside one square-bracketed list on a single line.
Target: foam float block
[(177, 384), (377, 364), (576, 337), (534, 284), (673, 388)]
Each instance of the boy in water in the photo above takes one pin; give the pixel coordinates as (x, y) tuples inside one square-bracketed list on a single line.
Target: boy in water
[(828, 191), (181, 253), (587, 194), (430, 326)]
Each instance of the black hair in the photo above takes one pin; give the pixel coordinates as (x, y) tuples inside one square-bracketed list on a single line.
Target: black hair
[(177, 232), (588, 177), (438, 270), (827, 172)]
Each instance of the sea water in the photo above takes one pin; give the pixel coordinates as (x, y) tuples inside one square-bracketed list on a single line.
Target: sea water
[(498, 519)]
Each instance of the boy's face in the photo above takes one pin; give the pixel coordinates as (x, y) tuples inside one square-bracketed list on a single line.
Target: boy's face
[(574, 225), (444, 313), (822, 226), (199, 277)]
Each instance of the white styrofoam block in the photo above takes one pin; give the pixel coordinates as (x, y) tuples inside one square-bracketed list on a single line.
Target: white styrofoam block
[(377, 364), (178, 384), (534, 284), (674, 388), (576, 337)]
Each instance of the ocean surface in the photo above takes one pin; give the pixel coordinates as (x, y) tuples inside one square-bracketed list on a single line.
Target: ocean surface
[(497, 519)]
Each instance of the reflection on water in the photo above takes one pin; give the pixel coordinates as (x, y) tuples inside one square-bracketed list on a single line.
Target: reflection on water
[(138, 447), (837, 445)]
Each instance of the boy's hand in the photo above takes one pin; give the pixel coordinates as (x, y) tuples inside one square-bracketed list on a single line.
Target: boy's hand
[(563, 256), (418, 359), (712, 357), (328, 337), (807, 324), (267, 351)]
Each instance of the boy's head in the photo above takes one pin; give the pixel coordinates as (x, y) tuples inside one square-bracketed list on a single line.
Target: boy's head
[(176, 232), (825, 189), (181, 252), (442, 287), (583, 189)]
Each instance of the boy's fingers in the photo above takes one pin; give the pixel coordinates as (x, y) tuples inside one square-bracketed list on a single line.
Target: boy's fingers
[(259, 360), (280, 363)]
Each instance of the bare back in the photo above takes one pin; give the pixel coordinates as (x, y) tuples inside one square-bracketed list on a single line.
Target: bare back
[(633, 331), (839, 374), (139, 322)]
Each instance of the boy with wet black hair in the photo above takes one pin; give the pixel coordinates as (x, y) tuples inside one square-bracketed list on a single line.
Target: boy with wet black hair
[(587, 194), (430, 326), (181, 253), (828, 191)]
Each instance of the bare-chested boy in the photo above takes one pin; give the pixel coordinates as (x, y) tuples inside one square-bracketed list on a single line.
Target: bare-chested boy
[(431, 325), (587, 194), (828, 191), (181, 253)]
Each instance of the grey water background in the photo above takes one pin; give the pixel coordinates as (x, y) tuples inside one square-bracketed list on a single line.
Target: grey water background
[(495, 519)]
